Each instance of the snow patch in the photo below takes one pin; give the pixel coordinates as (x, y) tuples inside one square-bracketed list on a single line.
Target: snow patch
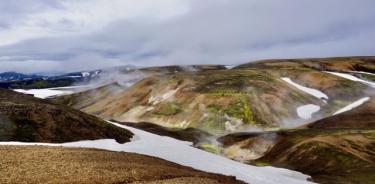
[(57, 91), (229, 66), (311, 91), (182, 152), (75, 76), (44, 93), (353, 78), (352, 105), (85, 74), (306, 111)]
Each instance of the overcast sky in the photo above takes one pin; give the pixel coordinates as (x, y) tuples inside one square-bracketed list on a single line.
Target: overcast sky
[(74, 35)]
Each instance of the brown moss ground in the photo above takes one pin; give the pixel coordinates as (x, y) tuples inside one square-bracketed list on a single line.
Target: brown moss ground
[(39, 164), (29, 119)]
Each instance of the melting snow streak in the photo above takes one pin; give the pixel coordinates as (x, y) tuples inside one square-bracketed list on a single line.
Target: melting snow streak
[(311, 91), (352, 105), (353, 78)]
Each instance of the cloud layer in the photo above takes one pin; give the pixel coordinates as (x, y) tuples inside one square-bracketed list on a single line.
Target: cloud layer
[(75, 35)]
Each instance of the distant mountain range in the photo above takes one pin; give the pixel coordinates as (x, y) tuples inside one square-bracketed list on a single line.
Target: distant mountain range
[(26, 81), (16, 80), (15, 76)]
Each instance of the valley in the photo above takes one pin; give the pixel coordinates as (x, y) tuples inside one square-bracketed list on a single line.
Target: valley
[(315, 116)]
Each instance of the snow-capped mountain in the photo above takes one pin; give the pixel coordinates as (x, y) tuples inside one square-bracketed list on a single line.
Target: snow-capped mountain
[(16, 80), (14, 76)]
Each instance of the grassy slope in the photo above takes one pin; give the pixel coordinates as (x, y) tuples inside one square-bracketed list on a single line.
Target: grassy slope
[(29, 119), (36, 164)]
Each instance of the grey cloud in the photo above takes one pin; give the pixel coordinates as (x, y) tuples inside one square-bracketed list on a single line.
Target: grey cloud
[(223, 32)]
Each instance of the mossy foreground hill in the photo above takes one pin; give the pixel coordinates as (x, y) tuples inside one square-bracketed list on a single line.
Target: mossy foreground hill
[(226, 100), (28, 119), (39, 164)]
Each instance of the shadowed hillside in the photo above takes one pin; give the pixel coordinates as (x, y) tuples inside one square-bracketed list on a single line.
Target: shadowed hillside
[(28, 119)]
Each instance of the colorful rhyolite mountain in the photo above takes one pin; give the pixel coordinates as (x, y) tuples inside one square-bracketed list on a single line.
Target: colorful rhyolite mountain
[(259, 112), (262, 95)]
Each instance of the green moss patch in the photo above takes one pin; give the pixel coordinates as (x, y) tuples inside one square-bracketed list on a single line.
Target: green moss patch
[(213, 123), (240, 109), (261, 164), (210, 148), (214, 108), (167, 109)]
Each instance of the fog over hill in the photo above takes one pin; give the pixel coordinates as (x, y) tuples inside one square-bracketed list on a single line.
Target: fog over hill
[(187, 91)]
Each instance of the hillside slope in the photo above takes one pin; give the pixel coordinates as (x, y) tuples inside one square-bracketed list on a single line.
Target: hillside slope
[(28, 119), (257, 110), (222, 101)]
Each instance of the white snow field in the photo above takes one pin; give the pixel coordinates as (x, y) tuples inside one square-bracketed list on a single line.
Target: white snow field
[(306, 111), (50, 92), (353, 78), (311, 91), (182, 152), (44, 93), (230, 66), (352, 105)]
